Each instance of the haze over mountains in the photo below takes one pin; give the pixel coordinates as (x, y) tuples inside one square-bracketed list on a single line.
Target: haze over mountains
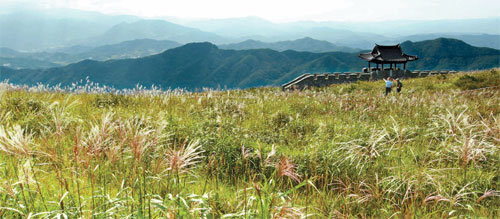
[(305, 44), (198, 65), (66, 55), (143, 47), (153, 29), (56, 28), (32, 30), (247, 26), (122, 51)]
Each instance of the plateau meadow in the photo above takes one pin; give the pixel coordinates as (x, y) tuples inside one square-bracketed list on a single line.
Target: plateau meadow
[(344, 151)]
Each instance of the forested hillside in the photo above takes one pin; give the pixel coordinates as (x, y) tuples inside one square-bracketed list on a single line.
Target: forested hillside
[(199, 65)]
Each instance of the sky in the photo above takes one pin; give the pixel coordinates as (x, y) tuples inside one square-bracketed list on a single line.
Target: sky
[(282, 10)]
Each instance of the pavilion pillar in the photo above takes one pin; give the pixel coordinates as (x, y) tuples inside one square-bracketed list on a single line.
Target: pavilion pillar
[(404, 65), (369, 70), (390, 70)]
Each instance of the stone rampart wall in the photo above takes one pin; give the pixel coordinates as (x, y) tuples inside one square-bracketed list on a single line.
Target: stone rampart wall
[(325, 79)]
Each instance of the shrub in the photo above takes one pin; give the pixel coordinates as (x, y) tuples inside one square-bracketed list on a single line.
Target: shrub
[(478, 80)]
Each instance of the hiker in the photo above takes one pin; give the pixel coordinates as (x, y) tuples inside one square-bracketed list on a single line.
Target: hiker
[(388, 85), (399, 85)]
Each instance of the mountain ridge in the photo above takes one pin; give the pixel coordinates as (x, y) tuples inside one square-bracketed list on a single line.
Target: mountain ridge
[(126, 49), (306, 44), (198, 65), (49, 29), (152, 29)]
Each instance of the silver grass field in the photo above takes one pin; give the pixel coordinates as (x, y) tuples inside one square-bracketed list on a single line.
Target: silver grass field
[(344, 151)]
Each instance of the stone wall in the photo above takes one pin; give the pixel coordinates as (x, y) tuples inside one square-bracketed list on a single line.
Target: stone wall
[(325, 79)]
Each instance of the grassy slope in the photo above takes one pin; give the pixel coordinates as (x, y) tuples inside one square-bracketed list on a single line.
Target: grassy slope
[(431, 151)]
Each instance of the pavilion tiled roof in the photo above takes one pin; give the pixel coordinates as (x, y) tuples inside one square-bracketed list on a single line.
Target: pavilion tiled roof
[(387, 54)]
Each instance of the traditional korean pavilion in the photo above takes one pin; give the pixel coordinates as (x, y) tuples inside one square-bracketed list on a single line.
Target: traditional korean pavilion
[(392, 55)]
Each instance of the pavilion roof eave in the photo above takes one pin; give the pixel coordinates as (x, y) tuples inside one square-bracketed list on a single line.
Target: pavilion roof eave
[(377, 59), (389, 62)]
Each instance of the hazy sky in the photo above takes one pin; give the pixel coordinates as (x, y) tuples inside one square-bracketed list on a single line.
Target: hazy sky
[(283, 10)]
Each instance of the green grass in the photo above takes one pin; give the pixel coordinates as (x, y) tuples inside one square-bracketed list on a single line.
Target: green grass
[(431, 151)]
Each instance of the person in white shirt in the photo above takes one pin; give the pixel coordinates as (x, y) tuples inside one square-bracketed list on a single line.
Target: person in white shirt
[(388, 85)]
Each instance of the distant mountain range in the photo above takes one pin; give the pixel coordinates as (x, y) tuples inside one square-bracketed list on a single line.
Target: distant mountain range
[(306, 44), (153, 29), (480, 40), (25, 62), (198, 65), (444, 53), (141, 48), (56, 29), (39, 30), (144, 47), (127, 49), (484, 32), (248, 26)]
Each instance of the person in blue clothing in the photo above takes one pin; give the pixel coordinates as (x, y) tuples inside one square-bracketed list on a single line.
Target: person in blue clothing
[(388, 85)]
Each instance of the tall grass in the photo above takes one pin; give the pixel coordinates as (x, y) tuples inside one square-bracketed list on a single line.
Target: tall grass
[(344, 151)]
